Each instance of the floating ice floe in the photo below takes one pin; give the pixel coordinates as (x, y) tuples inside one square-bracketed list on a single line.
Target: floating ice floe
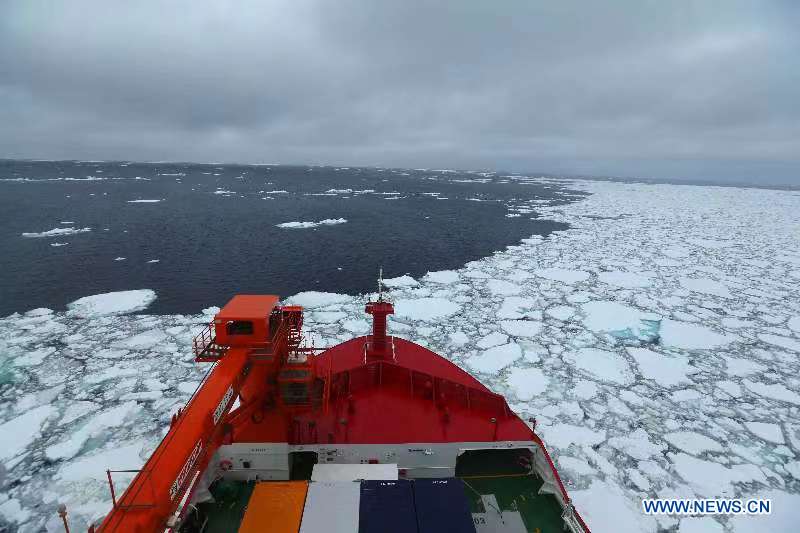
[(154, 201), (112, 303), (56, 232), (402, 281), (305, 225)]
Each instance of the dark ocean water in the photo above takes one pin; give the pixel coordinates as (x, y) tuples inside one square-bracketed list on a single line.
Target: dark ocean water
[(214, 231)]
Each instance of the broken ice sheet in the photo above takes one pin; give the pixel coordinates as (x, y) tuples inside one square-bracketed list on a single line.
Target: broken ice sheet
[(649, 387)]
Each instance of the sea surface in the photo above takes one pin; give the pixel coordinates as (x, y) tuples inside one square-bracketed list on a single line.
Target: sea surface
[(197, 234)]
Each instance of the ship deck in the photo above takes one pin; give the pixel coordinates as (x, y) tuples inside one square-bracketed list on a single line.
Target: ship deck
[(501, 496)]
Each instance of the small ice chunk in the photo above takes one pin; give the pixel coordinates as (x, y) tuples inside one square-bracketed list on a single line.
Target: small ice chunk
[(492, 339), (442, 276), (665, 370), (400, 282), (496, 358), (692, 442), (637, 444), (425, 308), (706, 286), (627, 280), (776, 391), (700, 524), (783, 342), (563, 435), (93, 467), (560, 312), (605, 365), (503, 288), (527, 383), (521, 328), (19, 432), (56, 232), (620, 320), (712, 479), (585, 390), (766, 431), (562, 274), (595, 502), (145, 201), (675, 334), (459, 338), (317, 299), (312, 224), (142, 341)]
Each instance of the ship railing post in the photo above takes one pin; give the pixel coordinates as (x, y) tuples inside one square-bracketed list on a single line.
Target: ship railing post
[(111, 487)]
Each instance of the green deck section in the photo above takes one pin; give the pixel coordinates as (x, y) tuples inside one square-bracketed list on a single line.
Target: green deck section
[(226, 513), (540, 513)]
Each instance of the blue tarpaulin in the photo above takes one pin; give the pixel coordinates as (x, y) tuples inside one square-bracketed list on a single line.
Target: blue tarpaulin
[(442, 506), (387, 507)]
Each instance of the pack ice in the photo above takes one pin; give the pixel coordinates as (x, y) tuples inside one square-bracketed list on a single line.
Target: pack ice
[(656, 341)]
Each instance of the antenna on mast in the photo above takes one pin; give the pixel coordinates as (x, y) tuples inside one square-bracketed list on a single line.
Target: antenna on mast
[(380, 284)]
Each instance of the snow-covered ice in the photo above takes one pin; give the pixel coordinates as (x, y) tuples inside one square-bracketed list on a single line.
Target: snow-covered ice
[(56, 232), (312, 224), (667, 365), (112, 303)]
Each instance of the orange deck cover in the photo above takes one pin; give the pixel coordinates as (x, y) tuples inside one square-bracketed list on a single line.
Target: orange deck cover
[(275, 507)]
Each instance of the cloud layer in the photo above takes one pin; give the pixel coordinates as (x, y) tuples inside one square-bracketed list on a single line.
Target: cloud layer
[(667, 89)]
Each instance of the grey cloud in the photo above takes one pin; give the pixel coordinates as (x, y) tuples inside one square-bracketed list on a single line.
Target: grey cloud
[(668, 89)]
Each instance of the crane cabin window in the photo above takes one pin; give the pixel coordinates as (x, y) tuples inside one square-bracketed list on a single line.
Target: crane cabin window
[(239, 327)]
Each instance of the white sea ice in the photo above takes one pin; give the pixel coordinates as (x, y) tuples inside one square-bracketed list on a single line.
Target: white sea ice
[(700, 524), (675, 334), (596, 502), (313, 299), (628, 280), (442, 276), (112, 303), (783, 342), (620, 320), (707, 286), (666, 370), (711, 479), (775, 391), (562, 274), (425, 308), (766, 431), (601, 364), (692, 442), (311, 224), (20, 431), (495, 359), (521, 328), (402, 281), (527, 383), (564, 435), (56, 232), (492, 339)]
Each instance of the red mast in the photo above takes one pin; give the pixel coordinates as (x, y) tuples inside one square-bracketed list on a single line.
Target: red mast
[(377, 347)]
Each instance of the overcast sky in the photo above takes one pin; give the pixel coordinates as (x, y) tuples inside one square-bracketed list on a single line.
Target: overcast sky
[(704, 89)]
